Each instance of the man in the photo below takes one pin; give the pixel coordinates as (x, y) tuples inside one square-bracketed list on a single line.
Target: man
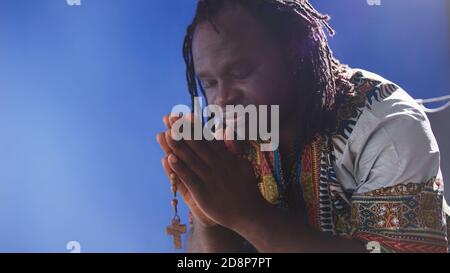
[(357, 161)]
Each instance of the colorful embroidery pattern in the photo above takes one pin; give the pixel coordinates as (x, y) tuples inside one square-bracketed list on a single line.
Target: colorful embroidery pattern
[(366, 93), (406, 218), (264, 171)]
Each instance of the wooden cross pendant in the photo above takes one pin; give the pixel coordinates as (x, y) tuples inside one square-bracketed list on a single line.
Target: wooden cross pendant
[(175, 229)]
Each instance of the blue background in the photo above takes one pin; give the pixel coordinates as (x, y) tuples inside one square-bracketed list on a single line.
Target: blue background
[(82, 93)]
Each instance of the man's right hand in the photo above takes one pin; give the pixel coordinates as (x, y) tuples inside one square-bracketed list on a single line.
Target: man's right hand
[(199, 215)]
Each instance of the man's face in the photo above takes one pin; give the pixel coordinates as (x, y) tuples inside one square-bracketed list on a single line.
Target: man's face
[(241, 64)]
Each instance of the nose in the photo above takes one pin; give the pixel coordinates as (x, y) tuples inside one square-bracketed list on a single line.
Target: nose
[(227, 95)]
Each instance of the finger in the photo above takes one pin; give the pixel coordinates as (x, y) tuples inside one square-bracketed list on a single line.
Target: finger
[(183, 152), (185, 120), (172, 177), (185, 174), (190, 119), (185, 194), (217, 146), (162, 142), (166, 122), (235, 147), (202, 149), (232, 145), (173, 118)]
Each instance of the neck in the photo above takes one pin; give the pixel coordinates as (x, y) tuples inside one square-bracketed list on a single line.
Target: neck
[(289, 133), (289, 138)]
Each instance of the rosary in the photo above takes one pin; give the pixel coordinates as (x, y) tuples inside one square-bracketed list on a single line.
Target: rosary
[(175, 229)]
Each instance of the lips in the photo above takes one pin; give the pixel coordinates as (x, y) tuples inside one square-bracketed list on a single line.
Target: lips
[(237, 121)]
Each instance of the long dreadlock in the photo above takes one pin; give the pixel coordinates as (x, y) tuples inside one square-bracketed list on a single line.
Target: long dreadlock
[(321, 78)]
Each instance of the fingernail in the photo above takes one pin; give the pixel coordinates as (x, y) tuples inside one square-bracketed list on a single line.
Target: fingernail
[(173, 176), (173, 159)]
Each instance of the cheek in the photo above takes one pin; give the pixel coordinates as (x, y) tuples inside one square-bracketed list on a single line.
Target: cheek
[(271, 89), (211, 97)]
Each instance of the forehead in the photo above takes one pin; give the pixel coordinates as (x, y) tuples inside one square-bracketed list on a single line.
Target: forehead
[(237, 33)]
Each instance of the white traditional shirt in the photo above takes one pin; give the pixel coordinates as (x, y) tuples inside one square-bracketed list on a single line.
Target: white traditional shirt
[(391, 143), (376, 179)]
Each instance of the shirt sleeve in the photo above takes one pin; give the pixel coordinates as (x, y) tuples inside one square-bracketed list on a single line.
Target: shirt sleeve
[(400, 149), (397, 201)]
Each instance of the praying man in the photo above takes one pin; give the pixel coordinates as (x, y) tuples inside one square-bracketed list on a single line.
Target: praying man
[(357, 163)]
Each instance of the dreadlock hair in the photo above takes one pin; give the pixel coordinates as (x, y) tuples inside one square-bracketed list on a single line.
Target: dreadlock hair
[(321, 79)]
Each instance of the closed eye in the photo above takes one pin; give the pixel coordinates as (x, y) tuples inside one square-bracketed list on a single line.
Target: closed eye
[(241, 72), (208, 83)]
